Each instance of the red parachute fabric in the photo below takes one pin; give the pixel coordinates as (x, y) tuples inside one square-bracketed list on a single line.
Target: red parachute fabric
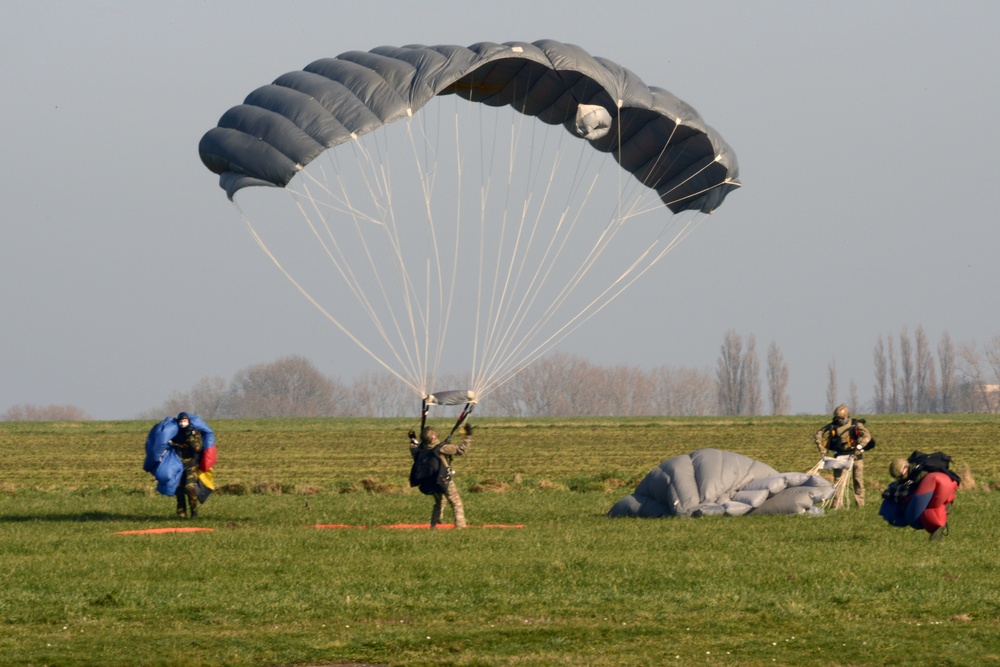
[(940, 488), (209, 458)]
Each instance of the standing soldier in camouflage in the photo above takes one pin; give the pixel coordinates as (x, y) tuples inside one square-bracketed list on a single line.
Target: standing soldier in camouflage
[(447, 451), (187, 444), (846, 436)]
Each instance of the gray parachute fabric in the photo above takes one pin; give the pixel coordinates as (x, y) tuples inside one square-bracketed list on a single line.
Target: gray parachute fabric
[(658, 138), (715, 482)]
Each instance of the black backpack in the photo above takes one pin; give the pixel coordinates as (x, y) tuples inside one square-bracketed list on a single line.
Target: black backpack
[(429, 472), (920, 463)]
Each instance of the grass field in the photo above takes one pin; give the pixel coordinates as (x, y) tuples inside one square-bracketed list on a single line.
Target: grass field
[(572, 587)]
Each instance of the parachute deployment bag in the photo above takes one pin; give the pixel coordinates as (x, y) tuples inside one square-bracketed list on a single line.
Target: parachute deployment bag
[(429, 473)]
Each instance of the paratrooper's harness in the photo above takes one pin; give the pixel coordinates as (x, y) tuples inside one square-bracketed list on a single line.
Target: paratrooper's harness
[(844, 440)]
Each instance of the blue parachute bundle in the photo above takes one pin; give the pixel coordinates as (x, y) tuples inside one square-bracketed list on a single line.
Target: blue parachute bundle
[(161, 459)]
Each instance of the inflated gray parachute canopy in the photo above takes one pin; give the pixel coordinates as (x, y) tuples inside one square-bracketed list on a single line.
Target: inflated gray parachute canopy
[(715, 482), (659, 139)]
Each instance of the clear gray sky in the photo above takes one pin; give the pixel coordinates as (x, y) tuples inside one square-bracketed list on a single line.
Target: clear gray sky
[(866, 133)]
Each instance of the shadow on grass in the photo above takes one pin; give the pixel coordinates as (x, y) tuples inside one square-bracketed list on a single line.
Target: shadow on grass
[(84, 517)]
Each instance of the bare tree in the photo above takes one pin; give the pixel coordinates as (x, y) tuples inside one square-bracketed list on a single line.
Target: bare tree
[(976, 394), (288, 387), (908, 379), (992, 351), (831, 387), (728, 374), (777, 380), (539, 389), (881, 377), (852, 393), (926, 391), (946, 362), (45, 413), (209, 399), (380, 395), (750, 379), (893, 405), (683, 392), (563, 385)]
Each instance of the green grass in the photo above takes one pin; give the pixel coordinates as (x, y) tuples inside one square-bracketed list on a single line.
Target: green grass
[(571, 588)]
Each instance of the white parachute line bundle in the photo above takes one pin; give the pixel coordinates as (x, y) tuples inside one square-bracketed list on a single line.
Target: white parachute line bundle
[(379, 187), (527, 347), (506, 277), (337, 323), (841, 484)]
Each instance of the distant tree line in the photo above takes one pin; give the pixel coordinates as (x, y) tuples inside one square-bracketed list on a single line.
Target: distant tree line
[(44, 413), (289, 387), (558, 385), (738, 378), (911, 376)]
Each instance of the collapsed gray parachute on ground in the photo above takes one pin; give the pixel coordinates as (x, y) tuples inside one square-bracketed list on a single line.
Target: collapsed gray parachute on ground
[(715, 482)]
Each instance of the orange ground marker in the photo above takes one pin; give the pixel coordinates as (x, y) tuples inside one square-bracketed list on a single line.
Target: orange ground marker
[(417, 526), (159, 531)]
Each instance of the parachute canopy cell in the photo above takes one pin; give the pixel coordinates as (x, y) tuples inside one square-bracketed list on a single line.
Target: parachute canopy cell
[(715, 482), (658, 138)]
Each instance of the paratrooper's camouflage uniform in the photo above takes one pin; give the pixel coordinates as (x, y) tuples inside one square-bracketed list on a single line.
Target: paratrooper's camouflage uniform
[(843, 436), (447, 452), (187, 443)]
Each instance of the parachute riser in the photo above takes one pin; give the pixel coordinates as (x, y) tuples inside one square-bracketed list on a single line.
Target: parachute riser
[(466, 411)]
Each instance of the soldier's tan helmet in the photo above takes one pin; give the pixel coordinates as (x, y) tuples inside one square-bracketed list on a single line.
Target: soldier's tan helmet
[(898, 467), (841, 413), (428, 436)]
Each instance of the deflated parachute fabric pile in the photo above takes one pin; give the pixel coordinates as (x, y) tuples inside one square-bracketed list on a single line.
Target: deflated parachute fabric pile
[(715, 482), (161, 459)]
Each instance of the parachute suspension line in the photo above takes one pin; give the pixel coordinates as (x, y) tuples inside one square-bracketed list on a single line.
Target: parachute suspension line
[(487, 160), (427, 178), (263, 246), (496, 294), (608, 295), (343, 264), (542, 272), (414, 316), (425, 364), (677, 123), (484, 177), (506, 354), (506, 280), (603, 242), (500, 353), (602, 300), (381, 200), (543, 267), (505, 290), (378, 182)]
